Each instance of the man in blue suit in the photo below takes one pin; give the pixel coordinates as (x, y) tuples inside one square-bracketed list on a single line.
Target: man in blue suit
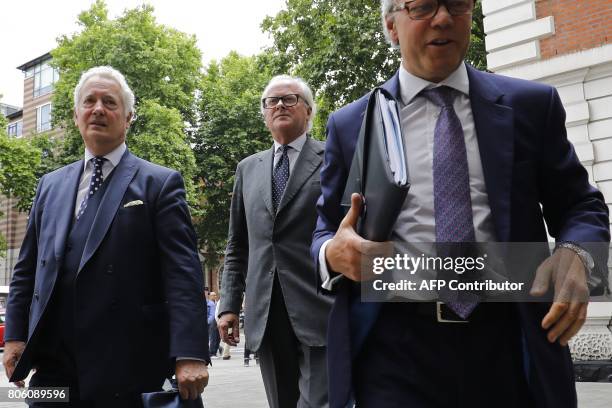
[(106, 296), (490, 154)]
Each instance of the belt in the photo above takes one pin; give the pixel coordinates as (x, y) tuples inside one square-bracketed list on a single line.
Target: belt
[(442, 313)]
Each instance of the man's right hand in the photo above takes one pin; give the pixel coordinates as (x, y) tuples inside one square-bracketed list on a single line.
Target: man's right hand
[(345, 252), (12, 354), (229, 328)]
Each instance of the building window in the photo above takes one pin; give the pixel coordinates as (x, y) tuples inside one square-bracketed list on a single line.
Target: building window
[(44, 78), (43, 118), (15, 129)]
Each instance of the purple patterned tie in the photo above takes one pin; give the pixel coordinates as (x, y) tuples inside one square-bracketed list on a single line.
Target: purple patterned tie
[(452, 201), (280, 175)]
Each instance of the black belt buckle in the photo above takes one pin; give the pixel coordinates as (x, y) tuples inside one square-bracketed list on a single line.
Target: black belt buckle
[(446, 315)]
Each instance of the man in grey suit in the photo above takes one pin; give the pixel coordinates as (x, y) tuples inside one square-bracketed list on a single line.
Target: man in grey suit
[(272, 217)]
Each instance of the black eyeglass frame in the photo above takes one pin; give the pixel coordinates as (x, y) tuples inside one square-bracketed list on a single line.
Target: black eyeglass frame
[(406, 5), (280, 98)]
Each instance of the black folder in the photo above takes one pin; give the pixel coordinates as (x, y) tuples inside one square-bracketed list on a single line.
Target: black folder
[(370, 174)]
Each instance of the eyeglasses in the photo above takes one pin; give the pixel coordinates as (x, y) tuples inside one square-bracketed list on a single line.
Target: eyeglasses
[(288, 100), (426, 9)]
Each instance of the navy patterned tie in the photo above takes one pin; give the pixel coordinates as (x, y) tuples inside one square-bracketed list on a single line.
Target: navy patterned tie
[(280, 175), (452, 201), (96, 181)]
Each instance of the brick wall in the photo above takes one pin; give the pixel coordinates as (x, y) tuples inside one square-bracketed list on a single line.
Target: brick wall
[(579, 25)]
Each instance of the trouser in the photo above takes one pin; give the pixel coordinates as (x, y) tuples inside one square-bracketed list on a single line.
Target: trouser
[(294, 374), (412, 360), (58, 370)]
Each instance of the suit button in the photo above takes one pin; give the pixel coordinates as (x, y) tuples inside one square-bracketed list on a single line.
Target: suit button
[(43, 262), (109, 269), (36, 295), (68, 248)]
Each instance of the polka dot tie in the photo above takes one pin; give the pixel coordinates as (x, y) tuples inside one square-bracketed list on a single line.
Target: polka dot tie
[(280, 175), (96, 181)]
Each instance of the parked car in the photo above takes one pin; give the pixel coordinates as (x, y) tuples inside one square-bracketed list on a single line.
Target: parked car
[(2, 315)]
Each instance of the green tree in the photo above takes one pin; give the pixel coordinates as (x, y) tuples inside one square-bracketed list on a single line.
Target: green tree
[(339, 48), (18, 163), (161, 65), (477, 54), (231, 129)]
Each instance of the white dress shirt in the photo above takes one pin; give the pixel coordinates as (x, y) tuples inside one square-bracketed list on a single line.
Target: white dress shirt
[(293, 153), (416, 221), (112, 160)]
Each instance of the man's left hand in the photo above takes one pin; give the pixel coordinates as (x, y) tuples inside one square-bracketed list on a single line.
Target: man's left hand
[(564, 269), (192, 377)]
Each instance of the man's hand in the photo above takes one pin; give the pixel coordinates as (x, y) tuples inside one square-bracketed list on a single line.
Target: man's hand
[(348, 253), (229, 328), (12, 354), (568, 312), (192, 377)]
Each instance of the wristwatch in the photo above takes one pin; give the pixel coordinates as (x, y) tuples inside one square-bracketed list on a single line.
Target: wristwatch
[(585, 257)]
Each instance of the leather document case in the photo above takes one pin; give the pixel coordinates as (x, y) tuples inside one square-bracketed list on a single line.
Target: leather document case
[(379, 171)]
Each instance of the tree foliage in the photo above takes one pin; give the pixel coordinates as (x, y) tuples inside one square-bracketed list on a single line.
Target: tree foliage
[(339, 48), (231, 129), (19, 161), (161, 65)]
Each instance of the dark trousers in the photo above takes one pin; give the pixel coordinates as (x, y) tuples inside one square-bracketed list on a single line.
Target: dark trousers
[(412, 360), (213, 338), (294, 374), (247, 354), (56, 368)]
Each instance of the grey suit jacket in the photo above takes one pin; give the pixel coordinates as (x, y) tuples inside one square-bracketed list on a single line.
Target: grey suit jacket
[(260, 244)]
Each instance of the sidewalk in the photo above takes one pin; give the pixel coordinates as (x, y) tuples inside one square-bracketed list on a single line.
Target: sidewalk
[(234, 386)]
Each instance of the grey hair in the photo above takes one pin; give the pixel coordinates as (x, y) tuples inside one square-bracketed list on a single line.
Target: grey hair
[(387, 7), (306, 93), (127, 96)]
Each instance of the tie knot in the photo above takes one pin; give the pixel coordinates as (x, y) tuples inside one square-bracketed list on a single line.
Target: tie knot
[(441, 96), (285, 148)]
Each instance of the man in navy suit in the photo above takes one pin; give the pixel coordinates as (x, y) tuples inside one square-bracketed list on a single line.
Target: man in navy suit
[(490, 154), (106, 296)]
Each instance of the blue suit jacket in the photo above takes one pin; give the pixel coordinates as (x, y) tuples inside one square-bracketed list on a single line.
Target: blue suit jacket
[(531, 174), (138, 300)]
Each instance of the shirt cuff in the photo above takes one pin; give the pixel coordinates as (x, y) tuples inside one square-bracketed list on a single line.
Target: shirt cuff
[(328, 281), (191, 358)]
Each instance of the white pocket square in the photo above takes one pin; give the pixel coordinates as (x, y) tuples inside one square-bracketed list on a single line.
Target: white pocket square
[(133, 203)]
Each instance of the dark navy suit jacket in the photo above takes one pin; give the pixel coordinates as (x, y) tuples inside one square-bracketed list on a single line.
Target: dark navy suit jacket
[(531, 174), (138, 300)]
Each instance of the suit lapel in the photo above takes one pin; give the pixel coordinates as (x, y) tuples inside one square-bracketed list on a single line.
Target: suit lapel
[(265, 180), (64, 204), (495, 133), (124, 173), (392, 86), (308, 161)]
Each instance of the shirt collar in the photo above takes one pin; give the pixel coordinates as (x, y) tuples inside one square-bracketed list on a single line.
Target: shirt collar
[(113, 157), (297, 144), (411, 85)]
